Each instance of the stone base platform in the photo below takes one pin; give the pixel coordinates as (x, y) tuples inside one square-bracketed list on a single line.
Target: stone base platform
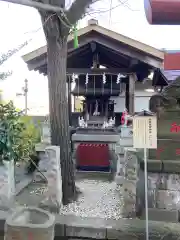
[(72, 227), (162, 215)]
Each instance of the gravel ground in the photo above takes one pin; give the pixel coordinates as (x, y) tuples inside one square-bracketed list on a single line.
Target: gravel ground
[(99, 198)]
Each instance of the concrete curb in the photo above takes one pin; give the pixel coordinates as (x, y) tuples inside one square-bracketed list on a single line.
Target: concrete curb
[(70, 227)]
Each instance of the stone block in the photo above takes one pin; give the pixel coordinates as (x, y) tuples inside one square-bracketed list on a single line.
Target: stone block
[(95, 138), (163, 215), (120, 174), (118, 149), (167, 199), (126, 132), (167, 149), (129, 229), (129, 198), (126, 142), (152, 198), (172, 182), (157, 181), (44, 162), (170, 166), (129, 187), (131, 164), (59, 230), (152, 165), (140, 193), (85, 232)]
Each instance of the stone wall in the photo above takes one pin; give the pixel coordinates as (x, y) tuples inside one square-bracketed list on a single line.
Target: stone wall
[(163, 187), (164, 191), (127, 177)]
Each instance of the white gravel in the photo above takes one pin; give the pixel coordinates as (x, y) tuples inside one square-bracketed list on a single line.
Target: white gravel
[(99, 199)]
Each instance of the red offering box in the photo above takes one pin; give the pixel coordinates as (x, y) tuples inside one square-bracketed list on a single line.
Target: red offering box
[(93, 155)]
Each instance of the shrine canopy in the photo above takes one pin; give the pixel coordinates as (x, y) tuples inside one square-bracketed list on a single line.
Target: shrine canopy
[(115, 52), (162, 12)]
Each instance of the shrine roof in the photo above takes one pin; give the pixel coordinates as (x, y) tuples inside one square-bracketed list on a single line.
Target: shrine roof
[(115, 49)]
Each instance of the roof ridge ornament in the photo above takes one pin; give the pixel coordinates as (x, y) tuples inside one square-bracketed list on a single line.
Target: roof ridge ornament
[(92, 22)]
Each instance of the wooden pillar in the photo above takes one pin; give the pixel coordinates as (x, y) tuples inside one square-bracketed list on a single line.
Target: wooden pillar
[(132, 80), (129, 94)]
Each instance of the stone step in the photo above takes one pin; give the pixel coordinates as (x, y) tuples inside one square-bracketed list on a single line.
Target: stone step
[(163, 215), (93, 175)]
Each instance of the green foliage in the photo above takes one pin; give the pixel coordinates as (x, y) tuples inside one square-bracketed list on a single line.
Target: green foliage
[(17, 135), (30, 136)]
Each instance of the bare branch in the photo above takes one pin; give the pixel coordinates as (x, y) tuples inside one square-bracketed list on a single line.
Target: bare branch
[(38, 5), (5, 56), (4, 75), (78, 9)]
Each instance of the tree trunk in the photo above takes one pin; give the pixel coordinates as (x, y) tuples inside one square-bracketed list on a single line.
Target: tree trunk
[(57, 57), (58, 104)]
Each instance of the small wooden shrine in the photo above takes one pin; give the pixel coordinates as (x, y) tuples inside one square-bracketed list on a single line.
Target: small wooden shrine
[(105, 64), (124, 62)]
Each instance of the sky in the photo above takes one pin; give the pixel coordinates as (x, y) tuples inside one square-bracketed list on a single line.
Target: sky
[(19, 24)]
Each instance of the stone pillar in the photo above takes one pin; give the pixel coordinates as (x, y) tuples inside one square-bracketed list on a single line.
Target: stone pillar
[(130, 181), (54, 191), (120, 174), (7, 185)]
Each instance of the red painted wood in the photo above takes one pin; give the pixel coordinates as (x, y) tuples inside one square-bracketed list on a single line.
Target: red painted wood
[(163, 12), (93, 155), (172, 61)]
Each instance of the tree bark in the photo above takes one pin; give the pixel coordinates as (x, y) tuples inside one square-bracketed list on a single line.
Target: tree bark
[(56, 36)]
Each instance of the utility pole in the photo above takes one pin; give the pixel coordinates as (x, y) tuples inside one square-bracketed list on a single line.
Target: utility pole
[(25, 94)]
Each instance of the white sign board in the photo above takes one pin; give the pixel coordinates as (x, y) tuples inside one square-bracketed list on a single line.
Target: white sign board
[(145, 132)]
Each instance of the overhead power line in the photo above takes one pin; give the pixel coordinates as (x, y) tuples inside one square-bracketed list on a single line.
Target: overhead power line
[(110, 12)]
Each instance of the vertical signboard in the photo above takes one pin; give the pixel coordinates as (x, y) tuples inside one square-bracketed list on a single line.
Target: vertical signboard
[(145, 132)]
